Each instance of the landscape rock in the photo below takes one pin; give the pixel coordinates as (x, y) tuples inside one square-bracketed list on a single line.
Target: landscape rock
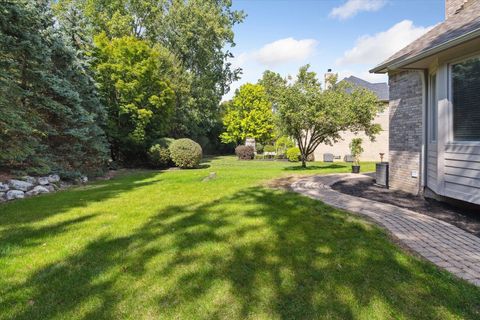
[(37, 190), (2, 197), (50, 188), (81, 180), (15, 194), (29, 179), (53, 178), (4, 187), (211, 176), (43, 181), (20, 185)]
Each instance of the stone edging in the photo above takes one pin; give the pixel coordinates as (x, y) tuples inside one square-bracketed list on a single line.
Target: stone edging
[(31, 186), (441, 243)]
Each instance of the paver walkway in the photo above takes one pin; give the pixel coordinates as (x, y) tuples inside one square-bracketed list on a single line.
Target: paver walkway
[(442, 243)]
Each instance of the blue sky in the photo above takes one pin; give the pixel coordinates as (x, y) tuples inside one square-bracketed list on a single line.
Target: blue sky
[(348, 36)]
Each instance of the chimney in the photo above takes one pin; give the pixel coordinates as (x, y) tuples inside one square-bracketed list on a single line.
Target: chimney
[(452, 7), (329, 77)]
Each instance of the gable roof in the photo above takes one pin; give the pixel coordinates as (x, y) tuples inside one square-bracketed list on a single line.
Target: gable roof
[(459, 28), (380, 89)]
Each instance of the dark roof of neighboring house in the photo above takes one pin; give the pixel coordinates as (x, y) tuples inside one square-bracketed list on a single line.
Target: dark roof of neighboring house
[(461, 27), (380, 89)]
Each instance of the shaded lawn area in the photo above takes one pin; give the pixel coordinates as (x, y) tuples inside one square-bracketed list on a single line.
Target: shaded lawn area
[(166, 245)]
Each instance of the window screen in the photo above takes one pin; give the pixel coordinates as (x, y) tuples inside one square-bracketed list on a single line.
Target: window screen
[(466, 100)]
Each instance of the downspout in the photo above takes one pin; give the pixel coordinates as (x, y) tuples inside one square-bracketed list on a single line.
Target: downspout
[(425, 124)]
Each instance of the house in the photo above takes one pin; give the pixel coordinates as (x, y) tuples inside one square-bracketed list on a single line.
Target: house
[(372, 150), (435, 108)]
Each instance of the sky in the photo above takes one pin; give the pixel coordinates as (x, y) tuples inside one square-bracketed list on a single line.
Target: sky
[(348, 36)]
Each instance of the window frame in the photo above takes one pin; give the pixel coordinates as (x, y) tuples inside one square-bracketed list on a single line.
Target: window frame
[(450, 134)]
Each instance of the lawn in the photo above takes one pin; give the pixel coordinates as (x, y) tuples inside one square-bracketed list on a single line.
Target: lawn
[(166, 245)]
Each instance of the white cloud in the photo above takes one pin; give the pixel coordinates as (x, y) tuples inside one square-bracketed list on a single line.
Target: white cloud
[(374, 49), (285, 51), (352, 7)]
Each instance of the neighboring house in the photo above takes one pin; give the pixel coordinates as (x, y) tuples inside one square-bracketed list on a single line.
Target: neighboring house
[(435, 108), (372, 150)]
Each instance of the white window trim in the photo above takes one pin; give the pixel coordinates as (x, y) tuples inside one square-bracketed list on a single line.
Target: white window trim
[(430, 106), (451, 140)]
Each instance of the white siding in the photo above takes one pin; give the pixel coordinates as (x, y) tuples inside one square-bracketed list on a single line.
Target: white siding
[(462, 172)]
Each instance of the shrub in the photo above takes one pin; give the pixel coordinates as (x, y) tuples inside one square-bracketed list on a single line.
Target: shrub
[(283, 144), (185, 153), (269, 148), (159, 156), (164, 142), (259, 147), (245, 152), (293, 154), (356, 150)]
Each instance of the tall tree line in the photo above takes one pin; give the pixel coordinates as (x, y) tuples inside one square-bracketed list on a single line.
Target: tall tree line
[(50, 112), (99, 79)]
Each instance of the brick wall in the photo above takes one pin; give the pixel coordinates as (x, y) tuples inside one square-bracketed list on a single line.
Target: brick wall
[(406, 104)]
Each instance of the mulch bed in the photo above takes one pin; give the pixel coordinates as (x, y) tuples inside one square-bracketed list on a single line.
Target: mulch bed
[(467, 219)]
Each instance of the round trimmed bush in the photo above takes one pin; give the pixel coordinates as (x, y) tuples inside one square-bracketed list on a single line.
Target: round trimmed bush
[(185, 153), (159, 156), (293, 154), (245, 152)]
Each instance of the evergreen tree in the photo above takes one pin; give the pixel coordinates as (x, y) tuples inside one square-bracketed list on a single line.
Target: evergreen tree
[(48, 124)]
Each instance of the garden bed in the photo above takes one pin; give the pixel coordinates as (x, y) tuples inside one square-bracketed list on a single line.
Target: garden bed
[(466, 219)]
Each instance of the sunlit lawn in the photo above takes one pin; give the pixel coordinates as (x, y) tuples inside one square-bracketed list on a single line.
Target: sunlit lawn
[(165, 245)]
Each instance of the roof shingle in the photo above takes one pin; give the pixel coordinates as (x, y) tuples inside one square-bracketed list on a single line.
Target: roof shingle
[(465, 21)]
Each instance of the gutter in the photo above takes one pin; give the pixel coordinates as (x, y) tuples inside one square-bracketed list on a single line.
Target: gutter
[(396, 64)]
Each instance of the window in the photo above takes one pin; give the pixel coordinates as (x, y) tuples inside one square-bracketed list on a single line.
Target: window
[(466, 100), (433, 108)]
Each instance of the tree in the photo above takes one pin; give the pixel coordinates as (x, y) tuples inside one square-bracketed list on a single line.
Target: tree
[(273, 84), (248, 115), (198, 33), (134, 81), (51, 122), (313, 116)]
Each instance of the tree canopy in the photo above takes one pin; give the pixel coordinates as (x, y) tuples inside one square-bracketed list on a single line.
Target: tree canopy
[(51, 116), (313, 116), (248, 115)]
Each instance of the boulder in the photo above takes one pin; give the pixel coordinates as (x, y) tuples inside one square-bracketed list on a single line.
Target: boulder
[(43, 181), (53, 178), (81, 180), (37, 190), (50, 187), (2, 197), (4, 187), (15, 194), (20, 185), (29, 179)]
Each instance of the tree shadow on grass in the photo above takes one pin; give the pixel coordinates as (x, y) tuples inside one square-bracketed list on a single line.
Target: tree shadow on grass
[(258, 253), (44, 206), (315, 167)]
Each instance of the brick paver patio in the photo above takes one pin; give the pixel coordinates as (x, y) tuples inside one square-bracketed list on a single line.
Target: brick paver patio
[(439, 242)]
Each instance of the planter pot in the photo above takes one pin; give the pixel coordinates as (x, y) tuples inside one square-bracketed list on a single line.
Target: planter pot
[(355, 169)]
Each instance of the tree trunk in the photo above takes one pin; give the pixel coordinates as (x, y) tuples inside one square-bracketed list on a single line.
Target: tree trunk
[(304, 161)]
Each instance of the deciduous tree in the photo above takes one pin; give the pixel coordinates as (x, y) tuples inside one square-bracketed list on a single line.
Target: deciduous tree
[(248, 115), (313, 116)]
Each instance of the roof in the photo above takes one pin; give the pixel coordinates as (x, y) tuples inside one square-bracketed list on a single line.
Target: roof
[(459, 28), (380, 89)]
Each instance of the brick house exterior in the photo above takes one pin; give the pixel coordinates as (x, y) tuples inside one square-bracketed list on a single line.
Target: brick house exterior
[(406, 134), (434, 142)]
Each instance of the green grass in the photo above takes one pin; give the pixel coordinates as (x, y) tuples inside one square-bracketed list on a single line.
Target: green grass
[(165, 245)]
